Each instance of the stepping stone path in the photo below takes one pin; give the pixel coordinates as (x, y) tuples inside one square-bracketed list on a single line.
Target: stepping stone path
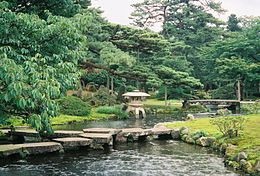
[(94, 137), (30, 148), (99, 138), (132, 134), (73, 142)]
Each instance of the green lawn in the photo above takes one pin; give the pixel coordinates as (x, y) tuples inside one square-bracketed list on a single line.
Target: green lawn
[(248, 142), (155, 102), (63, 119)]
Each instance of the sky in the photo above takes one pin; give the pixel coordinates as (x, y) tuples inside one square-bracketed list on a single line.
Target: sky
[(118, 11)]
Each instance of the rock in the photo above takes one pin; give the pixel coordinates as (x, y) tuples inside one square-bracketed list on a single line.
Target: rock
[(184, 131), (257, 166), (230, 150), (70, 143), (41, 147), (205, 141), (190, 117), (176, 134), (245, 165), (223, 147), (183, 137), (189, 140), (240, 156)]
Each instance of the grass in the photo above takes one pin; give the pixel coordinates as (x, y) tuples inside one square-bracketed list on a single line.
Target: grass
[(64, 119), (248, 142), (155, 102)]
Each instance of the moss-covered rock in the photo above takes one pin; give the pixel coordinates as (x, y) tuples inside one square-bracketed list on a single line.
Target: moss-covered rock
[(205, 141)]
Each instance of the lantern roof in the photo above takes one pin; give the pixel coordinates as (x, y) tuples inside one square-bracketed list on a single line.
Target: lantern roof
[(136, 93)]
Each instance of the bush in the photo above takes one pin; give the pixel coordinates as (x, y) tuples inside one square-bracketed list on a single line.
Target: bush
[(199, 134), (116, 110), (102, 97), (71, 105), (196, 108), (224, 112), (253, 108), (230, 126)]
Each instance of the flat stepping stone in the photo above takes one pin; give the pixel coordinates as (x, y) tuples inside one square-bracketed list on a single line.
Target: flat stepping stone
[(99, 138), (161, 131), (9, 149), (64, 133), (136, 131), (73, 142), (30, 148), (29, 133), (41, 147), (112, 131)]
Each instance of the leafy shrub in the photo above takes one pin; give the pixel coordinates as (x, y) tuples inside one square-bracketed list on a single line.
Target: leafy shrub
[(116, 110), (224, 112), (71, 105), (196, 108), (12, 121), (199, 134), (230, 126), (253, 108), (102, 97)]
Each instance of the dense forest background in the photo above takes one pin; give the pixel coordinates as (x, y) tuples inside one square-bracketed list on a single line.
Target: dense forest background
[(49, 47)]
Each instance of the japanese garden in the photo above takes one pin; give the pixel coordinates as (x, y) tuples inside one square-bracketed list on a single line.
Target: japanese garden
[(81, 95)]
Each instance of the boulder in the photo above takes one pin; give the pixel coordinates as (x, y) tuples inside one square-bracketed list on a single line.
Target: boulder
[(245, 165), (176, 134), (240, 156), (230, 150), (205, 141), (257, 166), (190, 117), (189, 140), (184, 131)]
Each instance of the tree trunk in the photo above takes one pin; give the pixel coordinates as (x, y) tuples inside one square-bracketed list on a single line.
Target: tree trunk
[(112, 84), (165, 95), (239, 90), (108, 82)]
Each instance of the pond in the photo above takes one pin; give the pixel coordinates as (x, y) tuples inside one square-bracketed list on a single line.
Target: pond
[(164, 158), (147, 122)]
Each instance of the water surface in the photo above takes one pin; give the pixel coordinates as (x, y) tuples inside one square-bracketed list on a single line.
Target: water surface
[(157, 158)]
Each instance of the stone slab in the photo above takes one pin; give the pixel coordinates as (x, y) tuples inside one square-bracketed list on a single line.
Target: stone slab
[(161, 131), (99, 138), (41, 147), (27, 132), (9, 149), (65, 133), (31, 148), (72, 142), (136, 131), (112, 131)]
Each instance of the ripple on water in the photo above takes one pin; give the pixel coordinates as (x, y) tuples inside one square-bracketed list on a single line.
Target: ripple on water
[(162, 159)]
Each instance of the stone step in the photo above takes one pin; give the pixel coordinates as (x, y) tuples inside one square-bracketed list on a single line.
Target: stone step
[(26, 132), (132, 134), (161, 131), (136, 131), (73, 142), (30, 148), (112, 131), (9, 149), (99, 138), (65, 133)]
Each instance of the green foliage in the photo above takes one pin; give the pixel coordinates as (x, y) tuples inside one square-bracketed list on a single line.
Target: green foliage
[(116, 110), (12, 121), (231, 126), (196, 109), (252, 108), (71, 105), (198, 134), (102, 97), (223, 112), (233, 23)]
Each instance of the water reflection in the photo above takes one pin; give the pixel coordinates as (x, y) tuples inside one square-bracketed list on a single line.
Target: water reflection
[(152, 158)]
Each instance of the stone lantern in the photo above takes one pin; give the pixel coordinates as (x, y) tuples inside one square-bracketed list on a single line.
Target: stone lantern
[(135, 103)]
